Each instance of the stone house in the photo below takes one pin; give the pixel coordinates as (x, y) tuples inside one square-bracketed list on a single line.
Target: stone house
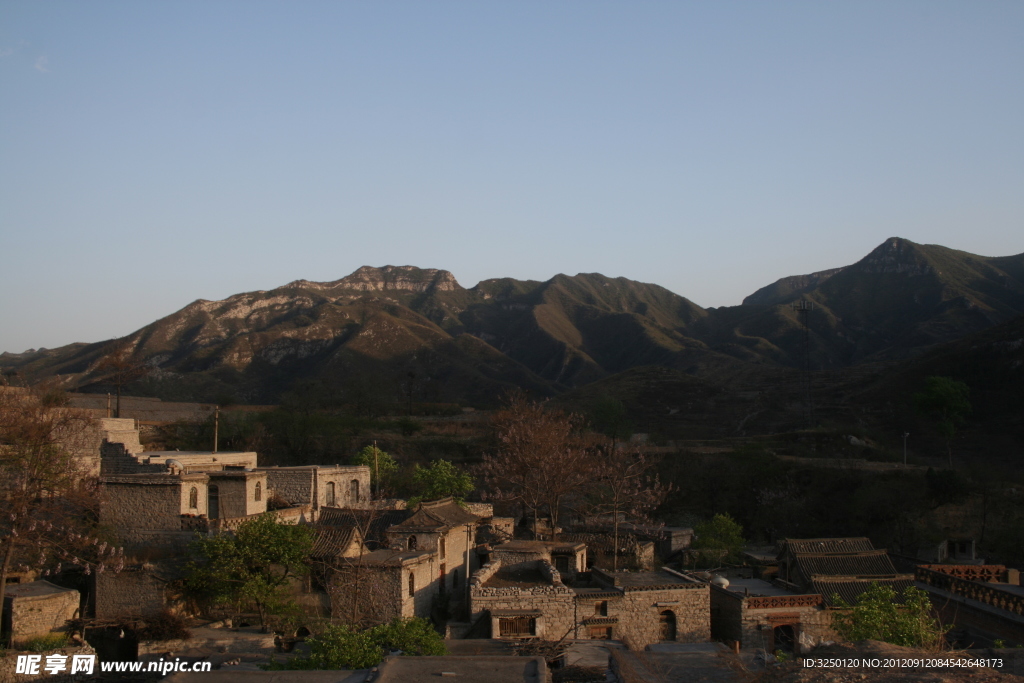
[(444, 528), (836, 566), (568, 558), (759, 614), (383, 584), (36, 608), (530, 600), (344, 486)]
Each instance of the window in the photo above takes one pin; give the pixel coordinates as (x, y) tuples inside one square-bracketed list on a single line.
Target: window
[(600, 632), (667, 625), (562, 563), (259, 492), (193, 498), (517, 627), (330, 493), (412, 585), (441, 547), (601, 608), (412, 543), (355, 490)]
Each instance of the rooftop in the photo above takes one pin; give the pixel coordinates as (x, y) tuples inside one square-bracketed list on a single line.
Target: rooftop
[(756, 588), (392, 558), (35, 589), (655, 579), (436, 515), (522, 546), (521, 578)]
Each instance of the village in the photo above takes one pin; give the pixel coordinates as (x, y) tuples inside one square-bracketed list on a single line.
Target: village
[(593, 598)]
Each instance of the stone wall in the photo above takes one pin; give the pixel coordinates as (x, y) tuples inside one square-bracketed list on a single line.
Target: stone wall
[(134, 592), (134, 504), (37, 608), (293, 485), (345, 494), (640, 613)]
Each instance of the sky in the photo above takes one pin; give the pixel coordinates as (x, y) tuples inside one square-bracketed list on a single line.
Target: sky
[(154, 153)]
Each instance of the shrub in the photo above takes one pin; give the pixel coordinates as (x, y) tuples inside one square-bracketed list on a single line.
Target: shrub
[(878, 616), (340, 647), (165, 626), (51, 641)]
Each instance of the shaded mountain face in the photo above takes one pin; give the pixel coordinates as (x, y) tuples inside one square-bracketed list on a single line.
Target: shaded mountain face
[(417, 334)]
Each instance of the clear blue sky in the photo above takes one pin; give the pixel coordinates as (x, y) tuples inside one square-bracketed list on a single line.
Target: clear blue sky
[(153, 153)]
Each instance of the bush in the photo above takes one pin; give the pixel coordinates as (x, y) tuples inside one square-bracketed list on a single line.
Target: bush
[(878, 616), (165, 626), (340, 647), (51, 641)]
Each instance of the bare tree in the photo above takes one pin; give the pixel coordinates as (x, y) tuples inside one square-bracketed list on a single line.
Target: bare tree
[(540, 458), (625, 485), (123, 368), (46, 498)]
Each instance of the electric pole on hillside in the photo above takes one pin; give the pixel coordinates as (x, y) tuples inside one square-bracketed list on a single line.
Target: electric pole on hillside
[(803, 310)]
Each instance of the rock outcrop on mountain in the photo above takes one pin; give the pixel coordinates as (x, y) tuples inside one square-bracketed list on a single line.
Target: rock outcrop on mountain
[(418, 333)]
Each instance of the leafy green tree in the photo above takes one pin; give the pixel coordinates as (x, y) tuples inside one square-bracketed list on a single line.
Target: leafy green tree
[(947, 402), (342, 647), (718, 540), (250, 569), (608, 416), (383, 466), (878, 616), (440, 480)]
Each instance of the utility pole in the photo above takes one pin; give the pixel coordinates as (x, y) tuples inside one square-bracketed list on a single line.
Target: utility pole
[(108, 404), (469, 592), (376, 468), (905, 435), (216, 426)]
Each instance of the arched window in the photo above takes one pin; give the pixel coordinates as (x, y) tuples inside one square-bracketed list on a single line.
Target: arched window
[(330, 493), (193, 498), (442, 545), (259, 492), (412, 585), (355, 490), (412, 543)]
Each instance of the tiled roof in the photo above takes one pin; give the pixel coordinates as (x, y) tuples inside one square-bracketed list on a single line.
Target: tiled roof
[(437, 514), (330, 542), (828, 545), (873, 563), (373, 523), (850, 588)]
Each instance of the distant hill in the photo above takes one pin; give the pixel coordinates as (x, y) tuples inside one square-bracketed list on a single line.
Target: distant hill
[(406, 333)]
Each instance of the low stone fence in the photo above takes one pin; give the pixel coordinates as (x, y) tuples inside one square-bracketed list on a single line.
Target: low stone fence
[(971, 572), (981, 592)]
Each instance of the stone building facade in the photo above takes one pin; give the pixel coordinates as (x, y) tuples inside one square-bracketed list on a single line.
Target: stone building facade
[(37, 608), (441, 527), (759, 615), (136, 591), (319, 486), (530, 600), (384, 584)]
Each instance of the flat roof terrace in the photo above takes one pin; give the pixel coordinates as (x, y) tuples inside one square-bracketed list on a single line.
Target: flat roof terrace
[(526, 577)]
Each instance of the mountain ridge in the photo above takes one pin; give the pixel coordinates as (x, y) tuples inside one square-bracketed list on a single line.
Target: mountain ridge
[(398, 322)]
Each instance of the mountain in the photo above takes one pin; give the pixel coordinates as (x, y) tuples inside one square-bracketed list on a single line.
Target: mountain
[(417, 334)]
